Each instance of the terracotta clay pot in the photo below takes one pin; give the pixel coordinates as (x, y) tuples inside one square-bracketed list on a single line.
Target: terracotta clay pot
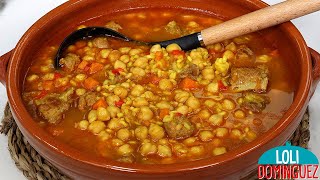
[(303, 61)]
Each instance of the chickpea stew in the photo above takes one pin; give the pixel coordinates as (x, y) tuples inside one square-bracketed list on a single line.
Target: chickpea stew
[(154, 105)]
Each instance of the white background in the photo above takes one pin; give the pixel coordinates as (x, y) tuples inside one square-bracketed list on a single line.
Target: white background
[(18, 15)]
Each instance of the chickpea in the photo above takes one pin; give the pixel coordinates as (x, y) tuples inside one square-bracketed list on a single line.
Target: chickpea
[(92, 116), (228, 104), (150, 96), (206, 135), (80, 77), (117, 142), (124, 50), (156, 132), (213, 87), (116, 124), (209, 103), (133, 52), (48, 77), (232, 47), (103, 114), (125, 58), (114, 55), (145, 113), (165, 84), (32, 78), (221, 132), (104, 135), (228, 54), (123, 134), (104, 53), (219, 150), (197, 150), (180, 149), (113, 111), (216, 119), (112, 99), (164, 105), (120, 91), (125, 150), (119, 64), (141, 132), (164, 151), (204, 114), (80, 92), (138, 71), (96, 127), (172, 47), (137, 90), (183, 110), (148, 149), (182, 96), (236, 133), (140, 101), (239, 114), (141, 62), (250, 136), (193, 102), (190, 141), (155, 48), (208, 73), (83, 125)]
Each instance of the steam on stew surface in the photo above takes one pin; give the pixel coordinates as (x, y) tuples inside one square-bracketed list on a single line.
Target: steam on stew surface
[(153, 105)]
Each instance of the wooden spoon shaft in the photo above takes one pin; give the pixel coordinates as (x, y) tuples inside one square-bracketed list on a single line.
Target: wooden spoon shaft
[(259, 19)]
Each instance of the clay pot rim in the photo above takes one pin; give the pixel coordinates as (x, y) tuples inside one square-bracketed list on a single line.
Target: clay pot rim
[(25, 120)]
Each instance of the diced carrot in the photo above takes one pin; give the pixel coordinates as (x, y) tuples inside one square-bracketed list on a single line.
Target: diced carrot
[(154, 79), (95, 67), (221, 86), (177, 52), (80, 44), (48, 85), (159, 55), (90, 83), (42, 94), (189, 84), (100, 103), (119, 103), (163, 112), (83, 65), (274, 53)]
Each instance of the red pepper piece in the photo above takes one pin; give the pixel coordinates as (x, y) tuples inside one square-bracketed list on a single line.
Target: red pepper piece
[(221, 86), (42, 94), (117, 71), (119, 103)]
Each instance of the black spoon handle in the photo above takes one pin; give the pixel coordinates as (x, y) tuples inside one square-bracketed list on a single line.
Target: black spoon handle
[(188, 42)]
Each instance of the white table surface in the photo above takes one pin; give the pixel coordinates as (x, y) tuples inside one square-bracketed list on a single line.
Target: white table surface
[(18, 15)]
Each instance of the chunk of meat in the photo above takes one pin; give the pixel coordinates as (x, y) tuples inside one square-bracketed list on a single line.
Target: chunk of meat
[(101, 42), (192, 72), (70, 61), (53, 111), (246, 79), (179, 128), (87, 100), (52, 106), (254, 102), (173, 28), (113, 25)]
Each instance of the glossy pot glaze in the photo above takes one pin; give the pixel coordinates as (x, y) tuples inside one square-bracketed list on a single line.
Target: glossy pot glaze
[(235, 164)]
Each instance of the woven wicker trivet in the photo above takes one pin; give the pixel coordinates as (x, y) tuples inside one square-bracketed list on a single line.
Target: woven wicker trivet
[(34, 166)]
